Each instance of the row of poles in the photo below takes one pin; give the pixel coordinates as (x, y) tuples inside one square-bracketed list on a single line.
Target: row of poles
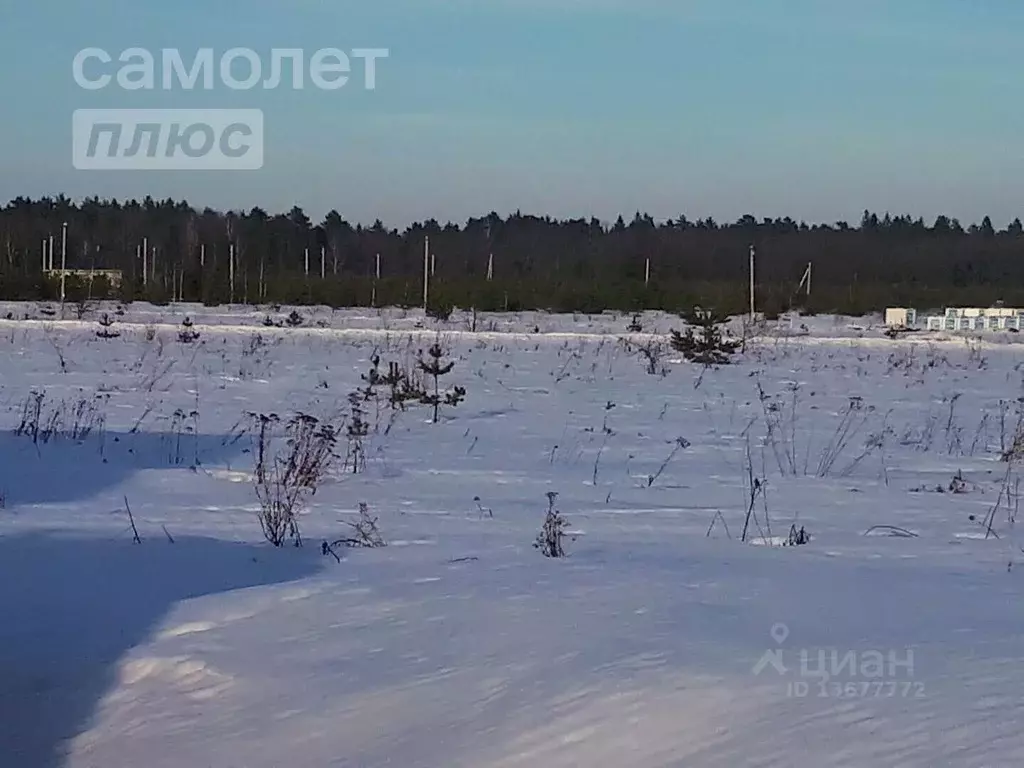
[(429, 263), (48, 259), (805, 282), (148, 258)]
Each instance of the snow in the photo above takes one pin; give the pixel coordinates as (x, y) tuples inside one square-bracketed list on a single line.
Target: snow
[(459, 645)]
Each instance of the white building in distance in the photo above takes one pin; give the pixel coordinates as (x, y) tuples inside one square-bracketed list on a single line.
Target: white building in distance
[(900, 317), (959, 319)]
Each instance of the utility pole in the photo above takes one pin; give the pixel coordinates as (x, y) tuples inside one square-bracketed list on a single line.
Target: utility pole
[(490, 255), (751, 283), (323, 262), (231, 274), (373, 298), (51, 253), (426, 270), (145, 261), (307, 263), (63, 263), (647, 272)]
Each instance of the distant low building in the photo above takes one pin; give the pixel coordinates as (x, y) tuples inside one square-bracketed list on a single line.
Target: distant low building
[(997, 318), (900, 317), (977, 319)]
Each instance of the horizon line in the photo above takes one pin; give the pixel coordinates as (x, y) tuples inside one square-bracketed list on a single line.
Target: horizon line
[(627, 219)]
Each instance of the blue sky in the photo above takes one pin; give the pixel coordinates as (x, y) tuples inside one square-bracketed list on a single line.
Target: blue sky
[(812, 109)]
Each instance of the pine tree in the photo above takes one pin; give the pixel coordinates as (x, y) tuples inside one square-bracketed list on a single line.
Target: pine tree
[(435, 367), (106, 324), (187, 334), (710, 348), (401, 388)]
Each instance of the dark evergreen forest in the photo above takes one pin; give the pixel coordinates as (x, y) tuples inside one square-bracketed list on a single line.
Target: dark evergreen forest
[(538, 262)]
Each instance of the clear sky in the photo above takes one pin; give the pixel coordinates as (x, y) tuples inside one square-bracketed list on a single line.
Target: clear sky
[(812, 109)]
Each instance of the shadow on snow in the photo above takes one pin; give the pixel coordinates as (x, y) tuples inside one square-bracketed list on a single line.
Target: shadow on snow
[(72, 606), (64, 470)]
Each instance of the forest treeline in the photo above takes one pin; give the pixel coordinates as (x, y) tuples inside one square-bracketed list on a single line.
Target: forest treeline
[(538, 262)]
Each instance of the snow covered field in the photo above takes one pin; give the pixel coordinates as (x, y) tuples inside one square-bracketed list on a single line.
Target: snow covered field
[(892, 638)]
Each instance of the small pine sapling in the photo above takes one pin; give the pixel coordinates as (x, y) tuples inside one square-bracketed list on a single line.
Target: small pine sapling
[(711, 347), (187, 334), (106, 324), (401, 387), (435, 367), (391, 390), (373, 378)]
